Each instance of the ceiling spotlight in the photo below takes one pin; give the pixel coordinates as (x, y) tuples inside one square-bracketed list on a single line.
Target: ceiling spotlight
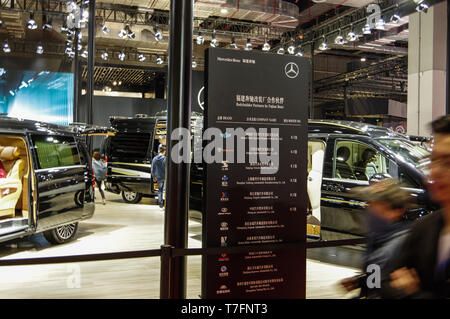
[(84, 54), (363, 59), (130, 33), (121, 56), (395, 18), (12, 92), (141, 57), (300, 52), (422, 7), (1, 23), (248, 45), (31, 24), (351, 35), (291, 49), (380, 24), (194, 64), (158, 34), (48, 25), (68, 50), (214, 43), (85, 16), (105, 55), (6, 47), (159, 60), (123, 33), (233, 44), (266, 46), (105, 29), (281, 50), (323, 46), (366, 29), (339, 39), (224, 10), (200, 39), (39, 49)]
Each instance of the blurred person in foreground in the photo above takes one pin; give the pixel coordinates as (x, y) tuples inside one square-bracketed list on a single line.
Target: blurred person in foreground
[(422, 268), (386, 232)]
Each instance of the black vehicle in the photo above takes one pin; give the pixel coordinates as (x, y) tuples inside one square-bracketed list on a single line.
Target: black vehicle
[(47, 186), (130, 151), (343, 155)]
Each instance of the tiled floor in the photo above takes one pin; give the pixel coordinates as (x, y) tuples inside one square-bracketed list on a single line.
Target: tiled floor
[(120, 227)]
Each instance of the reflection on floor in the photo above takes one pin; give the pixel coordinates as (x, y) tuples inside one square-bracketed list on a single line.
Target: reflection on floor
[(117, 226)]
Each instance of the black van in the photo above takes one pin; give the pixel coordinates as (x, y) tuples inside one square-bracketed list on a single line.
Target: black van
[(344, 154), (129, 152), (46, 181)]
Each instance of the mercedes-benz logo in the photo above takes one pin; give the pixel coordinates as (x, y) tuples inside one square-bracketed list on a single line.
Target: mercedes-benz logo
[(200, 100), (291, 70)]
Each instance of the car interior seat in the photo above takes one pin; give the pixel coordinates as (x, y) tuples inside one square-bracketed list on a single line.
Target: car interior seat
[(343, 170), (11, 185)]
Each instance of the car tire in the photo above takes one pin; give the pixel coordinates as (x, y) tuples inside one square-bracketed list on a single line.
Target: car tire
[(61, 234), (131, 197)]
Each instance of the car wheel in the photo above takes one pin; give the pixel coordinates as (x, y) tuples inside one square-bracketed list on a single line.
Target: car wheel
[(61, 234), (131, 197)]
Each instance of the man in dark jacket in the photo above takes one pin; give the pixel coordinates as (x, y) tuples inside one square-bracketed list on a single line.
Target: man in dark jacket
[(422, 270), (159, 172)]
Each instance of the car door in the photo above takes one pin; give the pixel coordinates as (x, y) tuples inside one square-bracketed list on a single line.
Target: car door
[(62, 180), (342, 210)]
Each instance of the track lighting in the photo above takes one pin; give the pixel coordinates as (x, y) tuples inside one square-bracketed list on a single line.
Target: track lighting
[(6, 47), (31, 24), (380, 24), (200, 39), (39, 49), (291, 49), (158, 34), (1, 23), (351, 35), (141, 57), (105, 55), (300, 52), (280, 50), (130, 33), (248, 45), (105, 29), (366, 29), (159, 60), (214, 43), (123, 33), (422, 6), (395, 18), (48, 25), (233, 44), (323, 46), (339, 39), (266, 46), (84, 54), (194, 64), (121, 56)]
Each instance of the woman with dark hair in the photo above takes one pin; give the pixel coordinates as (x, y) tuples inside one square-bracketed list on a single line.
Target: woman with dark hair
[(99, 167)]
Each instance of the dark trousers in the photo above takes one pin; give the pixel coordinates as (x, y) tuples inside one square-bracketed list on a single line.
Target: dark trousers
[(99, 185), (160, 193)]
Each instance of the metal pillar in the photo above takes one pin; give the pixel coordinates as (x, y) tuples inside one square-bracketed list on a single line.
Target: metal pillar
[(447, 109), (76, 80), (177, 178), (90, 70), (311, 106)]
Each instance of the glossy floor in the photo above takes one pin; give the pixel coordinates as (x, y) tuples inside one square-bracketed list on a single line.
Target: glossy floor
[(117, 226)]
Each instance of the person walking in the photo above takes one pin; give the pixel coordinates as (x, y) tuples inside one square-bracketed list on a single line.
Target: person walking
[(159, 172), (99, 167), (422, 269), (386, 232)]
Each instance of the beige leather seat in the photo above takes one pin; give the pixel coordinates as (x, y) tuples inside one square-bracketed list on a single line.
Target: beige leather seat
[(11, 186)]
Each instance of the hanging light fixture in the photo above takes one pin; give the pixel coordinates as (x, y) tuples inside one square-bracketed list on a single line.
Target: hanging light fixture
[(281, 50), (323, 46), (366, 29), (214, 43), (291, 49), (339, 38), (39, 49), (351, 35), (48, 24), (380, 24), (200, 39), (6, 47), (105, 29), (141, 57), (123, 33), (158, 34), (266, 46), (130, 33), (31, 24), (105, 55), (248, 45), (159, 60), (233, 44), (300, 51), (84, 54), (395, 18), (121, 56), (422, 6)]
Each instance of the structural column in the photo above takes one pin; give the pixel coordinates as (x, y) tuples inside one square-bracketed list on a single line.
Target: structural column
[(427, 64)]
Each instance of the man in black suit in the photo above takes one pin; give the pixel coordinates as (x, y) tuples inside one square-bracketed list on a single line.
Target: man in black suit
[(422, 270)]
